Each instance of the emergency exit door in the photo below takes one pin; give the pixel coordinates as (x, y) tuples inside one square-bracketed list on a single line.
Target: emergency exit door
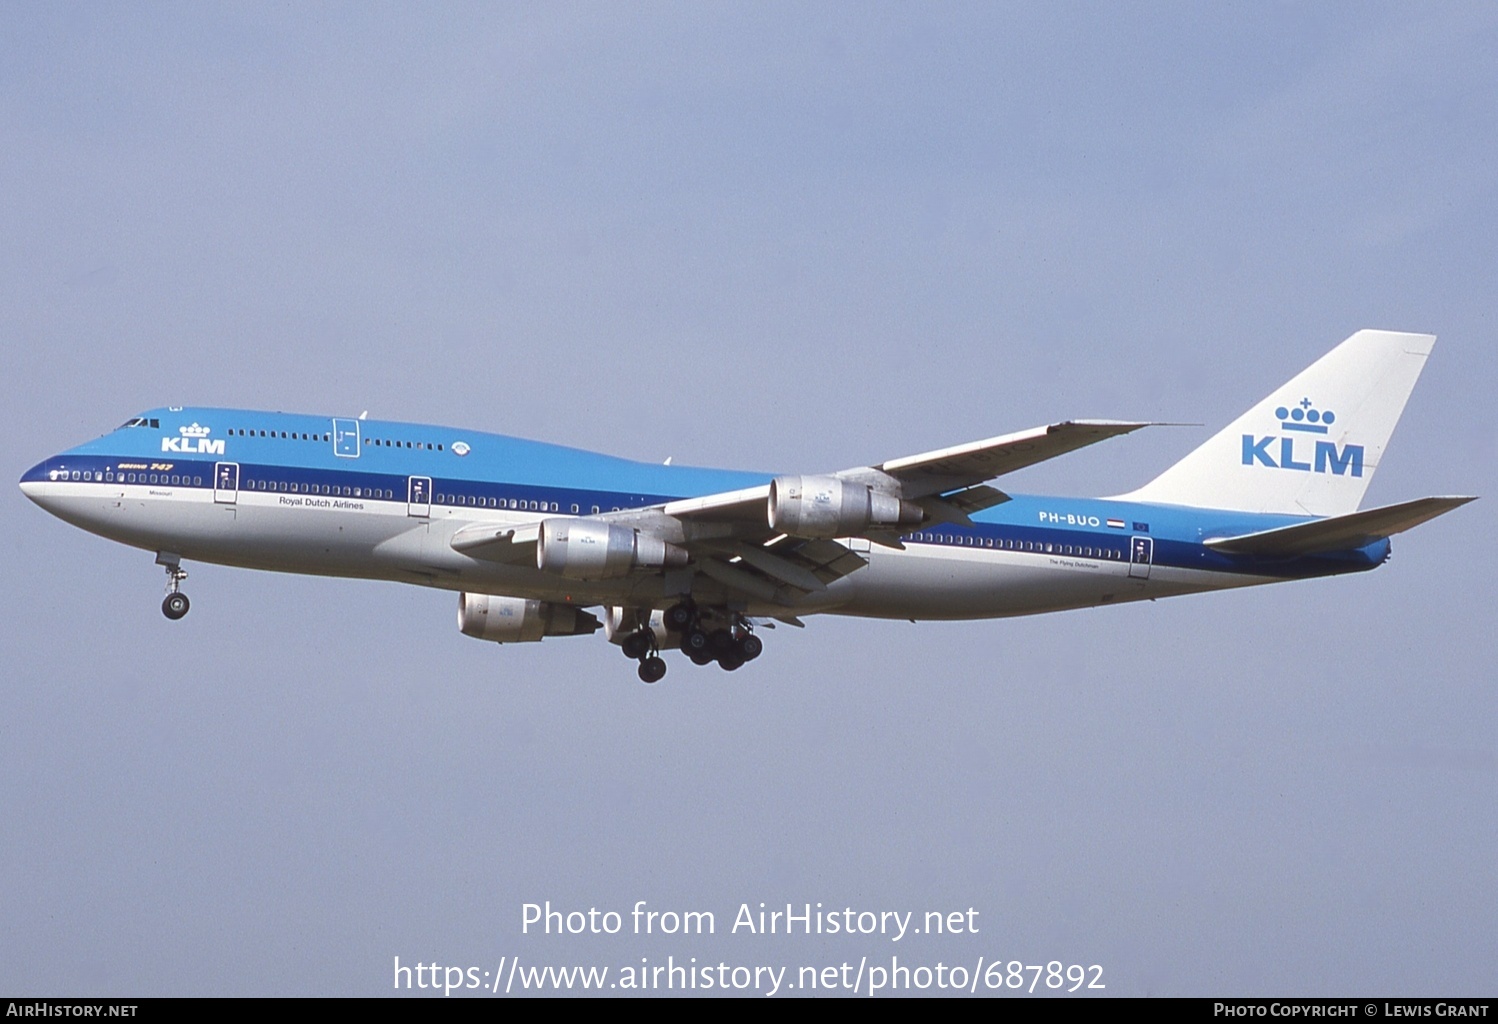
[(1141, 555)]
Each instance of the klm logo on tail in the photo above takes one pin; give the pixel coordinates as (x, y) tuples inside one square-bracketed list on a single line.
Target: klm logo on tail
[(193, 439), (1322, 456)]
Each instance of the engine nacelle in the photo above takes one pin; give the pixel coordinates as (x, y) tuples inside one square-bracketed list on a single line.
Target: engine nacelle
[(590, 549), (824, 506), (515, 620)]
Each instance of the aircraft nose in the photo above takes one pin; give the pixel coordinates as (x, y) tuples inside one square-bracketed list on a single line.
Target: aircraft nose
[(34, 481)]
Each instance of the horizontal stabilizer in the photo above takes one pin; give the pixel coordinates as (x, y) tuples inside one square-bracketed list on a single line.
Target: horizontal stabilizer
[(1339, 533)]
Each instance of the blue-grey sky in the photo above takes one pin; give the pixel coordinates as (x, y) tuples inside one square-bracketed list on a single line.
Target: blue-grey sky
[(771, 236)]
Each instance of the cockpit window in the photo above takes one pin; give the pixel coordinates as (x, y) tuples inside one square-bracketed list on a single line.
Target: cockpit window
[(139, 421)]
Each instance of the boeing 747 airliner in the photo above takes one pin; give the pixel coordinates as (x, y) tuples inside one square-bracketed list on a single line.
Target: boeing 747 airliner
[(540, 540)]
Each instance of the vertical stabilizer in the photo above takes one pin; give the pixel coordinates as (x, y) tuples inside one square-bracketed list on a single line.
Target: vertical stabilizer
[(1311, 447)]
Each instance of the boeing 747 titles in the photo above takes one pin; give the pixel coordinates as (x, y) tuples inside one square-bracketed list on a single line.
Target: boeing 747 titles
[(543, 541)]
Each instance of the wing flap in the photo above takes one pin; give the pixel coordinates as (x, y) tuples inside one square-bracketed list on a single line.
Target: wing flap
[(745, 582), (976, 499), (1338, 533), (959, 506), (783, 569), (827, 559)]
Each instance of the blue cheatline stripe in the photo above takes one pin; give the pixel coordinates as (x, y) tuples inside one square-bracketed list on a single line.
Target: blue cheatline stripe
[(450, 492)]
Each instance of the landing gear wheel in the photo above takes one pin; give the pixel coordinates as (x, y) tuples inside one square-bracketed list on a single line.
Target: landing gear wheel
[(730, 661), (652, 669), (176, 604), (751, 647), (700, 657), (638, 644), (695, 642), (679, 616), (720, 641)]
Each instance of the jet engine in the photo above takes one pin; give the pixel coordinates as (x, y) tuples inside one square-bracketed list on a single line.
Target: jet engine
[(589, 549), (824, 506), (515, 620)]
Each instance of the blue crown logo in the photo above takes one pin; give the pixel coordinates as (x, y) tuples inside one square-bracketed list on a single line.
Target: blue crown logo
[(1305, 418), (194, 431)]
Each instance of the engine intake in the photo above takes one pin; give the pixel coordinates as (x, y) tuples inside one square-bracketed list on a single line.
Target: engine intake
[(588, 549), (824, 507), (515, 620)]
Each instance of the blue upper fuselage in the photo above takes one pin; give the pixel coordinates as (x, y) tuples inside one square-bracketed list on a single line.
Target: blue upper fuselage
[(314, 454)]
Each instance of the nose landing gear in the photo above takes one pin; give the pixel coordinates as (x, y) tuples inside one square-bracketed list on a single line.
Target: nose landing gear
[(175, 604)]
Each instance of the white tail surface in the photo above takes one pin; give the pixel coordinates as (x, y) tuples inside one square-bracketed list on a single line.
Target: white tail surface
[(1312, 446)]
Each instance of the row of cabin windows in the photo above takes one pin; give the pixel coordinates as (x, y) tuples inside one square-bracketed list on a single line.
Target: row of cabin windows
[(387, 443), (511, 503), (1038, 547), (110, 477), (292, 435), (283, 435), (514, 504), (328, 490)]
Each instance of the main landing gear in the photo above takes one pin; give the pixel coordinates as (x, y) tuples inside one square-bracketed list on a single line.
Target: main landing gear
[(705, 634), (175, 604), (708, 637)]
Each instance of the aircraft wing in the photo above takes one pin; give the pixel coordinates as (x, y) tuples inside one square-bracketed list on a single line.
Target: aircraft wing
[(738, 549), (967, 464), (957, 469), (778, 570)]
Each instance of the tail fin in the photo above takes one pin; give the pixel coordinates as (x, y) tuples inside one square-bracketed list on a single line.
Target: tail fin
[(1311, 447)]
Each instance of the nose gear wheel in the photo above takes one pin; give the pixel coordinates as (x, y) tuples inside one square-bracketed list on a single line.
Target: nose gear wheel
[(175, 604)]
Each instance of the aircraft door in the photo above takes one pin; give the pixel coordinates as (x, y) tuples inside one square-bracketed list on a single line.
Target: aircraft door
[(419, 496), (1141, 555), (346, 439), (226, 483)]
